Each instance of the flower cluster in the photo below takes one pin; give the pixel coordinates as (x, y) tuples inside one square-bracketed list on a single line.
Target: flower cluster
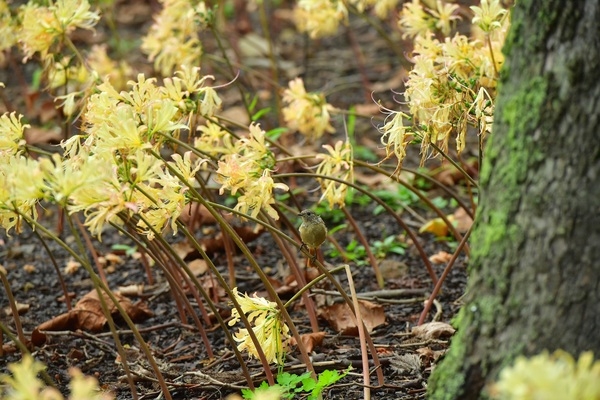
[(306, 112), (24, 384), (247, 166), (112, 171), (321, 18), (42, 27), (270, 330), (116, 160), (174, 38), (8, 35), (449, 87), (338, 163), (20, 178), (550, 377)]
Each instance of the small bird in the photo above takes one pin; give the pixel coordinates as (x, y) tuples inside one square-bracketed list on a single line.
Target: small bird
[(313, 231)]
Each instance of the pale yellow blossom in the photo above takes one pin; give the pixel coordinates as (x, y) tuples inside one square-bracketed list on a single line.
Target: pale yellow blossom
[(337, 163), (320, 18), (11, 134), (306, 112), (489, 16), (271, 331)]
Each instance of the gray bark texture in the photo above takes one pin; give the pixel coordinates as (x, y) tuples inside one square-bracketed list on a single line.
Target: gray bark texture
[(534, 275)]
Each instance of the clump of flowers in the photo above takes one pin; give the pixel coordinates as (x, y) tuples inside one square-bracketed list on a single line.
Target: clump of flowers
[(453, 81), (11, 135), (248, 168), (337, 163), (320, 18), (43, 27), (24, 384), (113, 169), (550, 377), (270, 330), (8, 36), (306, 112), (174, 38)]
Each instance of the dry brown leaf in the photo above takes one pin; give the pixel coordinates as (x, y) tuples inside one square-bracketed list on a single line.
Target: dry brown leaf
[(37, 135), (341, 318), (198, 214), (429, 356), (310, 340), (183, 249), (462, 220), (433, 330), (441, 257), (72, 267), (198, 266), (22, 308), (88, 315), (406, 363), (29, 268), (131, 290)]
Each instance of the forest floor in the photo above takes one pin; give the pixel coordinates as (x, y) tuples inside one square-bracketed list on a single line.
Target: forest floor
[(353, 68)]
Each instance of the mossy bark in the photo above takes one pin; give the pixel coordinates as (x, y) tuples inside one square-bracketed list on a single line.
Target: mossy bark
[(534, 276)]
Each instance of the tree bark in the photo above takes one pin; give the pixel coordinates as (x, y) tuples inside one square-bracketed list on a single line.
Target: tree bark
[(534, 276)]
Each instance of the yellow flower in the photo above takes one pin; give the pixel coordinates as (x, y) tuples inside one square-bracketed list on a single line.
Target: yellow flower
[(306, 112), (173, 39), (414, 21), (489, 16), (259, 196), (395, 137), (213, 140), (11, 134), (338, 164), (43, 26), (270, 330), (445, 15), (320, 18)]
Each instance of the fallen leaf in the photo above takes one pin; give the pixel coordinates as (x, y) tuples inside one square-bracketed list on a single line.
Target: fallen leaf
[(433, 330), (72, 267), (183, 249), (29, 268), (22, 308), (405, 364), (37, 135), (88, 315), (341, 318), (310, 340), (437, 226), (198, 266), (131, 290), (441, 257), (429, 356), (462, 220)]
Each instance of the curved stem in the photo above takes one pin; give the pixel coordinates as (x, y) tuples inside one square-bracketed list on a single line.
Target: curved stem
[(447, 270)]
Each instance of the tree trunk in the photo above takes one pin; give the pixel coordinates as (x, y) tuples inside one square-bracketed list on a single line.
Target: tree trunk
[(534, 276)]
